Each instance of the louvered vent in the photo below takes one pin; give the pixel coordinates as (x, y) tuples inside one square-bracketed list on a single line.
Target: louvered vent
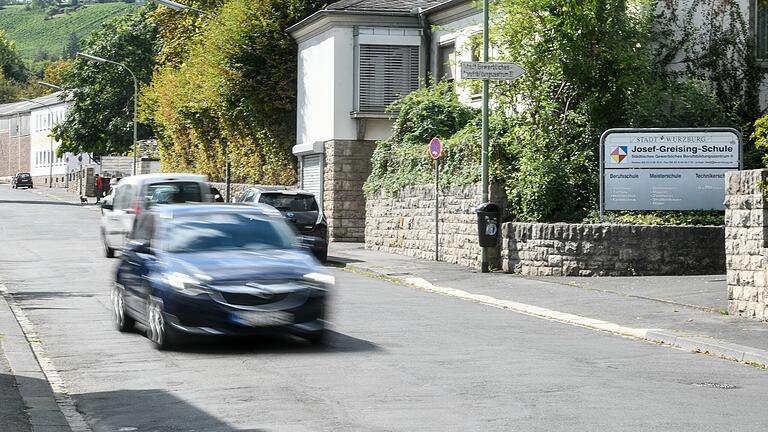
[(387, 72)]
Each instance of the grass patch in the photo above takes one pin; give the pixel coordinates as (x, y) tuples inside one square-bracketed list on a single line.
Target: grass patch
[(36, 36)]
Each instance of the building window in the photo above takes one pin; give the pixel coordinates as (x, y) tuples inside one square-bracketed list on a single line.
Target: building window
[(761, 24), (386, 72), (446, 62)]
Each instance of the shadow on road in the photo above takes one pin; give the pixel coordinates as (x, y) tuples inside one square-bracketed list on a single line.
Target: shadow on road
[(58, 203), (147, 410), (335, 343), (26, 296)]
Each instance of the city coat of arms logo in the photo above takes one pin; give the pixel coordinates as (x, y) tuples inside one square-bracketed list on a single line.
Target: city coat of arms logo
[(619, 153)]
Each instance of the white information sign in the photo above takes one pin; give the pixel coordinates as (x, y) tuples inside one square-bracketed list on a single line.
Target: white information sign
[(667, 169), (490, 71)]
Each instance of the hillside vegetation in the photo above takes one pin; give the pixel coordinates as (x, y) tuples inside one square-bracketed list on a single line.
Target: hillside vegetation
[(37, 37)]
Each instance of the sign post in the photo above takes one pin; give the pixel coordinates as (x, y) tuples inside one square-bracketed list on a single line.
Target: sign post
[(486, 71), (666, 169), (435, 150)]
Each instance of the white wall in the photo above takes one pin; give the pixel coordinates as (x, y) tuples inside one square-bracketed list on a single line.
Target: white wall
[(315, 90), (40, 141)]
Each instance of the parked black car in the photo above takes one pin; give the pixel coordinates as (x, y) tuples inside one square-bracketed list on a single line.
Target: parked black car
[(218, 270), (22, 179), (301, 209)]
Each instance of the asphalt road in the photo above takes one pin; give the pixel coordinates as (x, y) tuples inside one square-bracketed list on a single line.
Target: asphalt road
[(398, 360)]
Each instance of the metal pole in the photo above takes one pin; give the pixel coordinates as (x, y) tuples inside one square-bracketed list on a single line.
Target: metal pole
[(227, 172), (484, 178), (135, 139), (437, 209)]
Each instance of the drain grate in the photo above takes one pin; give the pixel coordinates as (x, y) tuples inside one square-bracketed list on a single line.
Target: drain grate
[(716, 385)]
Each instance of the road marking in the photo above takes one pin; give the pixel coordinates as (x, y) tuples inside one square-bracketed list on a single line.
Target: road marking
[(60, 392), (531, 310)]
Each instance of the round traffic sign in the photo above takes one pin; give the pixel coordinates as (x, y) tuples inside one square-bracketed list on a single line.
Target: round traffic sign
[(435, 148)]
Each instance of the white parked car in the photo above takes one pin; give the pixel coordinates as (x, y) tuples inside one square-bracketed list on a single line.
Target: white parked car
[(134, 194)]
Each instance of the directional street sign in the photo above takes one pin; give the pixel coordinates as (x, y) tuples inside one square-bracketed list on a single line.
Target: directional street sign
[(435, 148), (490, 71)]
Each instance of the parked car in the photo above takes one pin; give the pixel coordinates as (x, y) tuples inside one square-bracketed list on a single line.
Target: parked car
[(300, 208), (22, 179), (136, 194), (218, 269)]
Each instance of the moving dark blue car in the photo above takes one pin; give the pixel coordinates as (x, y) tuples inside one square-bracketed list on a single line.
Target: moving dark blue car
[(214, 269)]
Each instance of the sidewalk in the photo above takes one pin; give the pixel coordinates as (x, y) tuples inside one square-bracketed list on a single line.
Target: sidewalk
[(682, 311)]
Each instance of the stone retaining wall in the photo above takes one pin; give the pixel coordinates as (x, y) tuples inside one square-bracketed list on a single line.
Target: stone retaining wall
[(611, 250), (405, 223), (746, 233)]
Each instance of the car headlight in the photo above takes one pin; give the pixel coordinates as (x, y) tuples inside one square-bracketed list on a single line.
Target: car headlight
[(184, 284), (320, 278)]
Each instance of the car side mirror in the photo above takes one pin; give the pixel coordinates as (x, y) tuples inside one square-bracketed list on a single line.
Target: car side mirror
[(139, 246), (107, 206)]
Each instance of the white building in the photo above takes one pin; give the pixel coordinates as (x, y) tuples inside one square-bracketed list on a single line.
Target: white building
[(47, 112)]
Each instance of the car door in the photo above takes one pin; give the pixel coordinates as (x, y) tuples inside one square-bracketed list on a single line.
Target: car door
[(120, 221), (113, 218), (138, 264)]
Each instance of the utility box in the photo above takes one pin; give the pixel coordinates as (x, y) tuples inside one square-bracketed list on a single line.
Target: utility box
[(488, 224)]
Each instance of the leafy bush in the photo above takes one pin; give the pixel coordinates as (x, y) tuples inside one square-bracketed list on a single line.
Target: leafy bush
[(659, 218), (404, 159)]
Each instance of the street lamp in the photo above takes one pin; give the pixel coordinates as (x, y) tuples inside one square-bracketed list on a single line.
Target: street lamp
[(178, 6), (227, 163), (135, 96), (53, 86), (50, 135)]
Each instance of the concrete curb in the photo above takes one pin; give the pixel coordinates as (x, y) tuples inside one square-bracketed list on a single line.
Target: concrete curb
[(729, 351), (35, 389)]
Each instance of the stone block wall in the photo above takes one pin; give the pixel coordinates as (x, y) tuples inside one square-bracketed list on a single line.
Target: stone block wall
[(537, 249), (746, 233), (347, 166), (405, 223), (14, 154)]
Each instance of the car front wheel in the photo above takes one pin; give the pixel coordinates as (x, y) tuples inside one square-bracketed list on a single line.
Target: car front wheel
[(158, 330)]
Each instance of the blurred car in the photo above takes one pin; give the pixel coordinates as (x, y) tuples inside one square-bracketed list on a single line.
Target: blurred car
[(218, 270), (138, 193), (301, 209), (22, 179)]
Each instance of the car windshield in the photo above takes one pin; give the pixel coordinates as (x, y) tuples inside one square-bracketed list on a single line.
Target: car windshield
[(175, 192), (290, 202), (24, 176), (227, 231)]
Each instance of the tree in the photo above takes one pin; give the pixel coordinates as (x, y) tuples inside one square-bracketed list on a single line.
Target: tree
[(100, 116), (10, 62), (232, 83)]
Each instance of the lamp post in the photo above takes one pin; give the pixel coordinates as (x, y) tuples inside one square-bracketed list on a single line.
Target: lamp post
[(53, 86), (227, 163), (135, 96), (50, 135)]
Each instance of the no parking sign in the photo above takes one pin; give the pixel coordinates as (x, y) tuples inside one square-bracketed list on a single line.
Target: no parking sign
[(435, 148)]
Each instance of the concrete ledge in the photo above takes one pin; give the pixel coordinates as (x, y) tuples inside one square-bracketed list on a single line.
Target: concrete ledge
[(36, 392)]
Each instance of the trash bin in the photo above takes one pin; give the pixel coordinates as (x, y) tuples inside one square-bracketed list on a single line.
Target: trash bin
[(488, 224)]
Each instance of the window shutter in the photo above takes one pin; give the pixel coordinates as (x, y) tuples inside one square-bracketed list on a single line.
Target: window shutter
[(762, 30), (387, 72)]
